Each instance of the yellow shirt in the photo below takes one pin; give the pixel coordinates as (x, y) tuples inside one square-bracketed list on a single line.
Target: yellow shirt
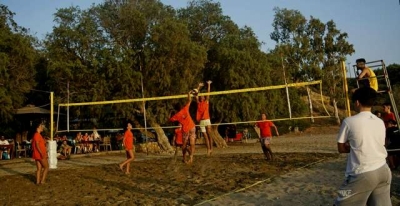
[(373, 81)]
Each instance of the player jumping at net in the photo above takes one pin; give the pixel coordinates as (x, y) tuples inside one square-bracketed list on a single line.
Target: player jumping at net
[(203, 116), (128, 144), (188, 129), (178, 139), (266, 136)]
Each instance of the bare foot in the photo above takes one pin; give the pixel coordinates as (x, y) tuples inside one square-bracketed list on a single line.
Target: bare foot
[(127, 173), (190, 160), (121, 167)]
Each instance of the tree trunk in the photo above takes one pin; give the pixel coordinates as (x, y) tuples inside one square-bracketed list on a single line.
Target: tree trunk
[(143, 130), (310, 104), (161, 137), (218, 140), (336, 111)]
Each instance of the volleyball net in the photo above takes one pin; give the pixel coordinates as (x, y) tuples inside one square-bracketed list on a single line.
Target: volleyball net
[(294, 87)]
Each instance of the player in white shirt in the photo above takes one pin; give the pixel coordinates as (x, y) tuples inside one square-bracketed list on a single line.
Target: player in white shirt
[(368, 177)]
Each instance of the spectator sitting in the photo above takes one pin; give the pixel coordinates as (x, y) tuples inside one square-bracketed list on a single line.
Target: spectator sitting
[(95, 134), (392, 142), (88, 146), (61, 156), (64, 138), (246, 135), (57, 138), (78, 140), (3, 141), (65, 149)]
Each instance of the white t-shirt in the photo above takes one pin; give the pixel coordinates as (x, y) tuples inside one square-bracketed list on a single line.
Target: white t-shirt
[(365, 133), (4, 142)]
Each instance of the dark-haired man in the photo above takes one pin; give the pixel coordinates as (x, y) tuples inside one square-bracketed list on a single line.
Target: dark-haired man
[(367, 77), (368, 177), (389, 115)]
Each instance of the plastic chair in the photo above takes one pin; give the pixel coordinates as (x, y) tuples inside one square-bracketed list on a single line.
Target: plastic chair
[(106, 143), (76, 147)]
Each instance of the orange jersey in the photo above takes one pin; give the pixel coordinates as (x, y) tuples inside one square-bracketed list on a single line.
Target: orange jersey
[(265, 128), (128, 140), (38, 139), (202, 111), (387, 117), (178, 136), (184, 118)]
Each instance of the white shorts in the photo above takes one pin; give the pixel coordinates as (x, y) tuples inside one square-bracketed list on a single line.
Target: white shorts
[(203, 124)]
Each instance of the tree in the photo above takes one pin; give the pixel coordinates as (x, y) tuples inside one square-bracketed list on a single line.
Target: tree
[(110, 47), (17, 64), (311, 49), (234, 61)]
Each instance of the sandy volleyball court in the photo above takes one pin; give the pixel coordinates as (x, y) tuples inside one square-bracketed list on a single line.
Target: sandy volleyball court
[(308, 171)]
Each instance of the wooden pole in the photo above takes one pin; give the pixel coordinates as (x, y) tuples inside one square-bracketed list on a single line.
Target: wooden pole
[(346, 89)]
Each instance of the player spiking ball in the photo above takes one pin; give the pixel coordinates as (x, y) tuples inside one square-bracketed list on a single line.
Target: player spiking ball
[(203, 116)]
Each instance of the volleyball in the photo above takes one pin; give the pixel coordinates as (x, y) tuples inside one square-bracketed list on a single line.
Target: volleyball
[(194, 92)]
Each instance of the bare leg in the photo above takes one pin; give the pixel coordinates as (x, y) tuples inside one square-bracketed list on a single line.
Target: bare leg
[(206, 138), (176, 152), (45, 165), (265, 151), (129, 158), (270, 154), (192, 147), (38, 171), (184, 149), (210, 139)]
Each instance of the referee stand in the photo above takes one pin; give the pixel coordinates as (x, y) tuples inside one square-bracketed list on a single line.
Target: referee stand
[(388, 90)]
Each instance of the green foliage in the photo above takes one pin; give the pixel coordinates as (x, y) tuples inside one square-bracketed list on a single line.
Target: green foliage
[(17, 64), (105, 52), (311, 49)]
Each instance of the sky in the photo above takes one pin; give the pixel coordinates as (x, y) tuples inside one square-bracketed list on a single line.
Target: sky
[(373, 26)]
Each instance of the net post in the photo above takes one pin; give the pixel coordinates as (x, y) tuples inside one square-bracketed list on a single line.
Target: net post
[(286, 88), (51, 115), (346, 89), (58, 118)]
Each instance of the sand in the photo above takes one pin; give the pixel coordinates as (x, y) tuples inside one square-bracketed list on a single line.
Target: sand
[(308, 171)]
